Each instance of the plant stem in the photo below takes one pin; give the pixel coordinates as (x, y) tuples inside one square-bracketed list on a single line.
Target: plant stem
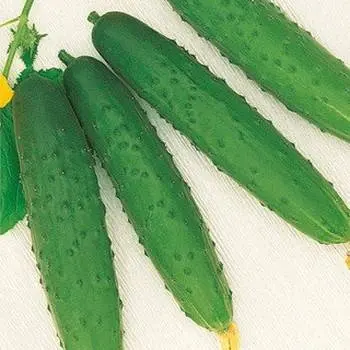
[(20, 29), (10, 22)]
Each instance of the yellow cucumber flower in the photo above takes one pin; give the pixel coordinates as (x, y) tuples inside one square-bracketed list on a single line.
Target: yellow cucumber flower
[(347, 261), (6, 93)]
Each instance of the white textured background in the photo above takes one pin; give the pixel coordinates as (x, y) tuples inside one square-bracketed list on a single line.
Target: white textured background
[(289, 292)]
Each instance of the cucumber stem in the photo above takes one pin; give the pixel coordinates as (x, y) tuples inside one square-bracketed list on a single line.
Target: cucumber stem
[(347, 260), (93, 17), (16, 42), (230, 338), (65, 57)]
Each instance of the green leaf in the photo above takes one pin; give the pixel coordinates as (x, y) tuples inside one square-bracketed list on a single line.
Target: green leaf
[(53, 74)]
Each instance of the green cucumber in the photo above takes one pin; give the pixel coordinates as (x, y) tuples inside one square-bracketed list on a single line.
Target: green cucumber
[(220, 123), (282, 57), (66, 217), (12, 207), (155, 197)]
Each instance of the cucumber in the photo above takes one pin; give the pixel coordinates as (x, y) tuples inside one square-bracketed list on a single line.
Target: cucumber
[(12, 207), (220, 123), (282, 57), (155, 197), (66, 217)]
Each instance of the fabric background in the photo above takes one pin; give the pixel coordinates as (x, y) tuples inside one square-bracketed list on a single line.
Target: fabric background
[(289, 292)]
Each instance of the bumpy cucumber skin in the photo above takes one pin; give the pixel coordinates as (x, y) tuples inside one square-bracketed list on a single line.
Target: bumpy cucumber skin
[(220, 123), (155, 197), (12, 206), (66, 218), (283, 58)]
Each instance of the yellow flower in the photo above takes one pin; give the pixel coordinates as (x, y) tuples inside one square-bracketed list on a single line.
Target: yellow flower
[(6, 93), (347, 261), (230, 338)]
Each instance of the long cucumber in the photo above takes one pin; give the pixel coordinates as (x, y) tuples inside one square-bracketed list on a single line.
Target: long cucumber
[(220, 123), (66, 217), (282, 57), (155, 197)]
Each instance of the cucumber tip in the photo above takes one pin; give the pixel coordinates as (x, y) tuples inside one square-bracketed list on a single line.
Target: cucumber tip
[(65, 57), (93, 17)]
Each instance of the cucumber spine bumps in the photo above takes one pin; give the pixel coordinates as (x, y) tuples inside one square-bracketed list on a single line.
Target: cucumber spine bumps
[(282, 57), (155, 197), (220, 123), (66, 217), (12, 207)]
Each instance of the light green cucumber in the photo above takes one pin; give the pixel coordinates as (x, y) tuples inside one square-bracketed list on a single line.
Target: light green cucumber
[(155, 197), (66, 217), (282, 57), (220, 123)]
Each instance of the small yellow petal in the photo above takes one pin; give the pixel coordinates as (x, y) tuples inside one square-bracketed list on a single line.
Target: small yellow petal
[(347, 260), (6, 93), (230, 338)]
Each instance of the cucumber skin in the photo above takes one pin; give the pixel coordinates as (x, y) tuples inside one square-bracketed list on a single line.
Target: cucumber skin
[(155, 197), (239, 141), (66, 218), (282, 57), (12, 206)]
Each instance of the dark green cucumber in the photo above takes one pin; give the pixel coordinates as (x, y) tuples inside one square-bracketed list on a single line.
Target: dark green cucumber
[(12, 207), (220, 123), (155, 197), (66, 217), (282, 57)]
